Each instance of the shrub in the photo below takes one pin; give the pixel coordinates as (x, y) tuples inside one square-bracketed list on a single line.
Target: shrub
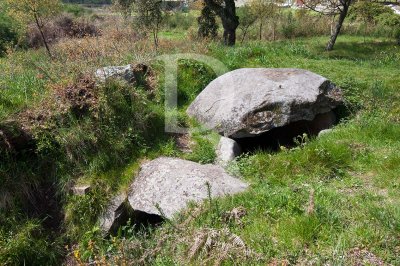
[(76, 10), (289, 26), (178, 20), (8, 34), (368, 11), (61, 27), (376, 19), (208, 27), (392, 21)]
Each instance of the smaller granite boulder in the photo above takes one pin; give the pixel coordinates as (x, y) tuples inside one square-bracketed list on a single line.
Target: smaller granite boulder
[(136, 74), (324, 132), (116, 214), (169, 184), (228, 149), (115, 72)]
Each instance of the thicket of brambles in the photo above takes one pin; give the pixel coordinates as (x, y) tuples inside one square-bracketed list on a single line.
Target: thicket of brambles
[(71, 131)]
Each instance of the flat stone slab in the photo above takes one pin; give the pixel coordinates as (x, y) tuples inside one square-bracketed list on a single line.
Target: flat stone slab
[(172, 183), (250, 101)]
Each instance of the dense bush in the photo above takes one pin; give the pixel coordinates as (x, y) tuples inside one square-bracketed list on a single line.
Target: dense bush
[(286, 24), (178, 20), (368, 11), (60, 27), (8, 33), (365, 18), (88, 130), (375, 19)]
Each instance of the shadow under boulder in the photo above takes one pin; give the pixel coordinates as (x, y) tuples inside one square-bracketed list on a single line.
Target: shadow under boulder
[(119, 212), (285, 135)]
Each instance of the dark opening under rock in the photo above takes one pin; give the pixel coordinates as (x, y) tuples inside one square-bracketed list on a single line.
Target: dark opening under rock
[(146, 219), (284, 136), (119, 212)]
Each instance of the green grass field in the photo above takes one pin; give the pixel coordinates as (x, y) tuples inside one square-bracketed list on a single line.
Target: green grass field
[(350, 177), (352, 174), (334, 200)]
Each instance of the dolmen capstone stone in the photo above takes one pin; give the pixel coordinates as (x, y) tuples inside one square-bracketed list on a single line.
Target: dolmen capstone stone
[(251, 101), (167, 185)]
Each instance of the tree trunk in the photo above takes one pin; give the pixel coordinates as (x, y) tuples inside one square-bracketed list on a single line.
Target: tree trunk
[(40, 26), (230, 21), (261, 27), (337, 28), (333, 24), (230, 37), (230, 33)]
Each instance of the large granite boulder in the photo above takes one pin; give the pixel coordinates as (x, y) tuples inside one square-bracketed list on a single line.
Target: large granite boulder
[(168, 184), (250, 101)]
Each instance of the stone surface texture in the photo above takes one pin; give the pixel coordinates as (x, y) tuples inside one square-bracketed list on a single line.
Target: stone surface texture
[(250, 101), (169, 184), (227, 150), (116, 214)]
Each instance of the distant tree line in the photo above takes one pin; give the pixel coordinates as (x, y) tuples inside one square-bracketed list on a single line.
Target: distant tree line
[(88, 2)]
